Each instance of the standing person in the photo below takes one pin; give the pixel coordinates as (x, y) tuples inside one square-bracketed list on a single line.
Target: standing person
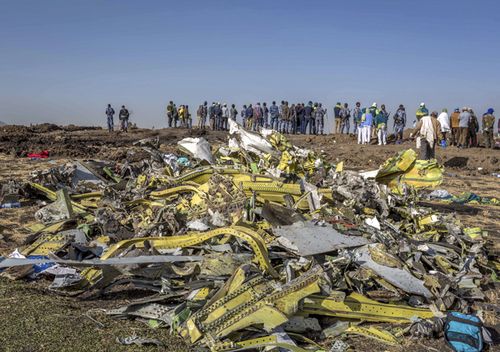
[(211, 116), (243, 114), (374, 111), (293, 119), (225, 117), (463, 127), (170, 113), (473, 129), (345, 116), (180, 113), (421, 111), (175, 115), (285, 118), (308, 118), (123, 116), (361, 129), (429, 131), (233, 112), (455, 124), (257, 116), (274, 112), (265, 118), (399, 123), (110, 112), (488, 125), (356, 116), (301, 117), (249, 116), (367, 127), (444, 121), (381, 125), (218, 116), (187, 115), (338, 119), (320, 119), (202, 115)]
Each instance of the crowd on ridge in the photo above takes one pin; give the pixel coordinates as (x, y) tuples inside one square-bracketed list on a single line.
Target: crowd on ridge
[(459, 129)]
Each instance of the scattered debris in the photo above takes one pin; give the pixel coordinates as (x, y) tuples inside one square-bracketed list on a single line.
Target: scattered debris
[(255, 244)]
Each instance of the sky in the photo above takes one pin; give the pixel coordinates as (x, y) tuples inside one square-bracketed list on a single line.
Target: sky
[(63, 61)]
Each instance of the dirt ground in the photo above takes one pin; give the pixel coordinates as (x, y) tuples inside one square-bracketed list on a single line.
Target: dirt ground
[(35, 319)]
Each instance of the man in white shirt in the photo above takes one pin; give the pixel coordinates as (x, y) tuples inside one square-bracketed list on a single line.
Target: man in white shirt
[(444, 120)]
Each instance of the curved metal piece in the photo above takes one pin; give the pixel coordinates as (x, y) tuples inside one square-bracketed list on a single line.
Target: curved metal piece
[(253, 238)]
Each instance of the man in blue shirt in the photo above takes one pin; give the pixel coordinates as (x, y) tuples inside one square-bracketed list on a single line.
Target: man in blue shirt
[(274, 112)]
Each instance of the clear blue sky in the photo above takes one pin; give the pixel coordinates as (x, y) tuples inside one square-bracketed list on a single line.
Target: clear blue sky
[(62, 61)]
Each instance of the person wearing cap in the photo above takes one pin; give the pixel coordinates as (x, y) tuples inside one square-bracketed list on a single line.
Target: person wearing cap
[(488, 123), (444, 120), (345, 116), (463, 127), (356, 116), (428, 129), (421, 111), (110, 112), (455, 124), (338, 119), (374, 111), (399, 123)]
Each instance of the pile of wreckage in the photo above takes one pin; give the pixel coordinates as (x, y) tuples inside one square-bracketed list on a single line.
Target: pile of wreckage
[(258, 243)]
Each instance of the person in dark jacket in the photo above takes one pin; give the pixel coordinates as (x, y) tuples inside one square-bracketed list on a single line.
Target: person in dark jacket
[(124, 116), (110, 112), (249, 116), (309, 118)]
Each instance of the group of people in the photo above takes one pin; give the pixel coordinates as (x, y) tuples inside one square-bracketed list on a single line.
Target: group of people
[(460, 130), (369, 122), (123, 116), (179, 115), (285, 118)]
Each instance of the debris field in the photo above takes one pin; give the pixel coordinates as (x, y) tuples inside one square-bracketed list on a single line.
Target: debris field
[(256, 243)]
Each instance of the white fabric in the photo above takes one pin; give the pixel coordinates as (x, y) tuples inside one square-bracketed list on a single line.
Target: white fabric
[(444, 120), (360, 135), (427, 129), (382, 136), (367, 133)]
